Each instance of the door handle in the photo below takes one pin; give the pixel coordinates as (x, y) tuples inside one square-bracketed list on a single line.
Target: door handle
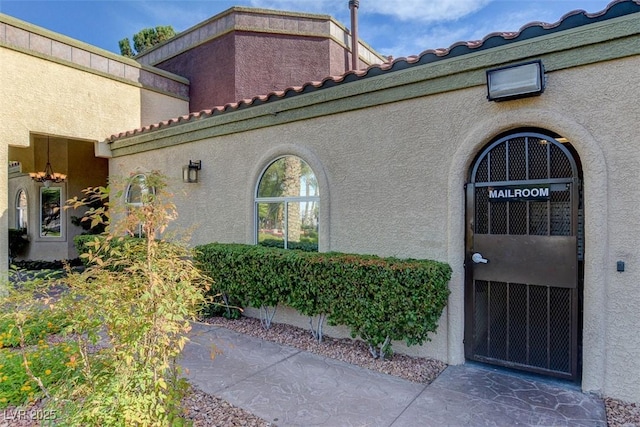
[(478, 258)]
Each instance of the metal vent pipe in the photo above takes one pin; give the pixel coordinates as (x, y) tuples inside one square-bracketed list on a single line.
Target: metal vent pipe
[(353, 6)]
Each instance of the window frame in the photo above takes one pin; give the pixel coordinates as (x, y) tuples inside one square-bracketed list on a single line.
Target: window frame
[(282, 199), (22, 212), (139, 179), (61, 237)]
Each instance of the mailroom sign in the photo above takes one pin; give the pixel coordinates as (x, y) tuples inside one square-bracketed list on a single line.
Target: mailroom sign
[(519, 193)]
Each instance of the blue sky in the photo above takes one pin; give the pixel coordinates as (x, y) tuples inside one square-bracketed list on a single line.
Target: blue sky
[(392, 27)]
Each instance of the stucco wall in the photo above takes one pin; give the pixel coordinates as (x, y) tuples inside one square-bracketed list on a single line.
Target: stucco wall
[(269, 62), (85, 170), (49, 97), (157, 107), (210, 69), (244, 52), (44, 96), (341, 58), (612, 117), (392, 184), (53, 85), (243, 64)]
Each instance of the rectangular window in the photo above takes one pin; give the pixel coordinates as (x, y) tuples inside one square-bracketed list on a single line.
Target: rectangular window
[(291, 225), (271, 224), (50, 212), (302, 225)]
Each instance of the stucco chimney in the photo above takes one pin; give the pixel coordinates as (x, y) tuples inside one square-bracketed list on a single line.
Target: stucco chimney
[(353, 6)]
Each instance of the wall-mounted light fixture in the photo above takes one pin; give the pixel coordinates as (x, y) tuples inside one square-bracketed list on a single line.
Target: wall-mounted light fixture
[(515, 81), (190, 172)]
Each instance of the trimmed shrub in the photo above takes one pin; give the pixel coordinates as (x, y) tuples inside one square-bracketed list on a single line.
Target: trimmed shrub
[(379, 299), (307, 246)]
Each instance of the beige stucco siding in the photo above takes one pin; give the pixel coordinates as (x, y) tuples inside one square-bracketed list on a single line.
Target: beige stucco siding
[(156, 107), (593, 107), (391, 183), (613, 120), (44, 96)]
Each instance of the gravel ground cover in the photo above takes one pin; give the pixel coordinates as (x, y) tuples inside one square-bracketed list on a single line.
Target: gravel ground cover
[(209, 411), (622, 414), (420, 370)]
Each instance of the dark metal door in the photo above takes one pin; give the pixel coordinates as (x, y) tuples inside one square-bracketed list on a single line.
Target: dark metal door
[(522, 263)]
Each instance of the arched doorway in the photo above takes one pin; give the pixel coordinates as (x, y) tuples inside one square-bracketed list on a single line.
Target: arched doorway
[(524, 252)]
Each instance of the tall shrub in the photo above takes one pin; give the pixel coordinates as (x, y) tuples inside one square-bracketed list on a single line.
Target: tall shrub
[(139, 295)]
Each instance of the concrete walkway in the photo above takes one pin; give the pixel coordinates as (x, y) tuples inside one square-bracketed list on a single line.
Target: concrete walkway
[(290, 387)]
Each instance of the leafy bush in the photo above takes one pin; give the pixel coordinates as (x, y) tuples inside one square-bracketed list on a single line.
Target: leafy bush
[(36, 327), (141, 294), (81, 243), (91, 246), (379, 299), (228, 308), (29, 367), (18, 241), (137, 295), (97, 207), (51, 364)]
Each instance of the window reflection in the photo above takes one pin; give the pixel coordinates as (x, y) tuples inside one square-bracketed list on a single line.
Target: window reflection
[(50, 200), (22, 210), (287, 205), (138, 193)]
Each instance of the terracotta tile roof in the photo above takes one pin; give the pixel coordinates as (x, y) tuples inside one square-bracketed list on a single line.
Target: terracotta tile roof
[(570, 20)]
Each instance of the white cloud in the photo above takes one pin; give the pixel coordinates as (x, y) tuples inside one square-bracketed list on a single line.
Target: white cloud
[(424, 10), (406, 10), (180, 15), (416, 37)]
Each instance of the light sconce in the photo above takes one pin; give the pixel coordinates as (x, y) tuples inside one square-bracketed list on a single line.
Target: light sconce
[(190, 172), (515, 81), (48, 176)]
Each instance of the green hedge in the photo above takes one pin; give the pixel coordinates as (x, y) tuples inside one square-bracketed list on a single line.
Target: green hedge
[(379, 299), (307, 246)]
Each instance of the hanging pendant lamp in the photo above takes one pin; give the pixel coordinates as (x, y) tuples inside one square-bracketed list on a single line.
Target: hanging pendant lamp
[(48, 177)]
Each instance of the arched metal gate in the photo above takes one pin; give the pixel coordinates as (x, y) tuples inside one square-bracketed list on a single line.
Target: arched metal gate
[(524, 250)]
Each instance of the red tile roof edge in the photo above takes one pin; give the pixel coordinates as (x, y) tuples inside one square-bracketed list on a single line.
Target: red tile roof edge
[(400, 63)]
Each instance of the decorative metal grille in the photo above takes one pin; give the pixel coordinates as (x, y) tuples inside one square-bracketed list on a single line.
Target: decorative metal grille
[(520, 160), (517, 159), (531, 326), (499, 163), (526, 325), (560, 164)]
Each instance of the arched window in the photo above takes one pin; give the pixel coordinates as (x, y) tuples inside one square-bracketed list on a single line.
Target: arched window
[(22, 210), (137, 190), (138, 193), (287, 201)]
